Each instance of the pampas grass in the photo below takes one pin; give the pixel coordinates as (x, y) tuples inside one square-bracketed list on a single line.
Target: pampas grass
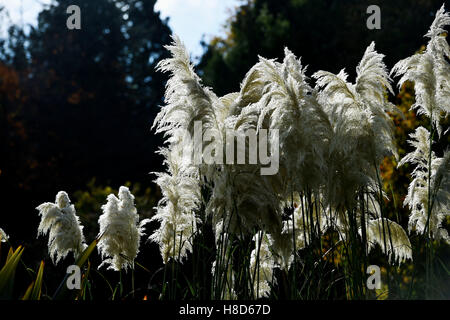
[(333, 138), (310, 229), (60, 221)]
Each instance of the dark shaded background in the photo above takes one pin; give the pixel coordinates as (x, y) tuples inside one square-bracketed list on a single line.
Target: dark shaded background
[(76, 107)]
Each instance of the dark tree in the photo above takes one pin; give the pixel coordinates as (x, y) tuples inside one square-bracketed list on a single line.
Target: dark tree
[(327, 34), (84, 101)]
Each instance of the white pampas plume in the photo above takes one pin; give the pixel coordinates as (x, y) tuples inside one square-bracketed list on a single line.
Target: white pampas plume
[(430, 73), (441, 184), (244, 200), (437, 43), (391, 237), (262, 264), (66, 232), (186, 99), (418, 198), (3, 236), (362, 131), (366, 100), (176, 210), (120, 231), (289, 105)]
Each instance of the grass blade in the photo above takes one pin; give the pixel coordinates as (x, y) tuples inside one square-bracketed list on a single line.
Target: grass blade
[(37, 289), (8, 272)]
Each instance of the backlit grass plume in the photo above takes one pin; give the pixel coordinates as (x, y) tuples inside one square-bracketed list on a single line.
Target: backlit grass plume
[(121, 231), (187, 101), (361, 132), (288, 103), (275, 191), (59, 219), (3, 236), (330, 140), (428, 193), (430, 72), (391, 237), (176, 210)]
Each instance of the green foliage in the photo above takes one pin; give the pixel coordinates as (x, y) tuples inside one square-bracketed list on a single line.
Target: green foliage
[(7, 273), (35, 289)]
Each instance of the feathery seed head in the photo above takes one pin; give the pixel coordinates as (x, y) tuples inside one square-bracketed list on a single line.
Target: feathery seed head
[(430, 73), (437, 44), (419, 200), (180, 188), (391, 237), (3, 236), (120, 230), (59, 219)]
